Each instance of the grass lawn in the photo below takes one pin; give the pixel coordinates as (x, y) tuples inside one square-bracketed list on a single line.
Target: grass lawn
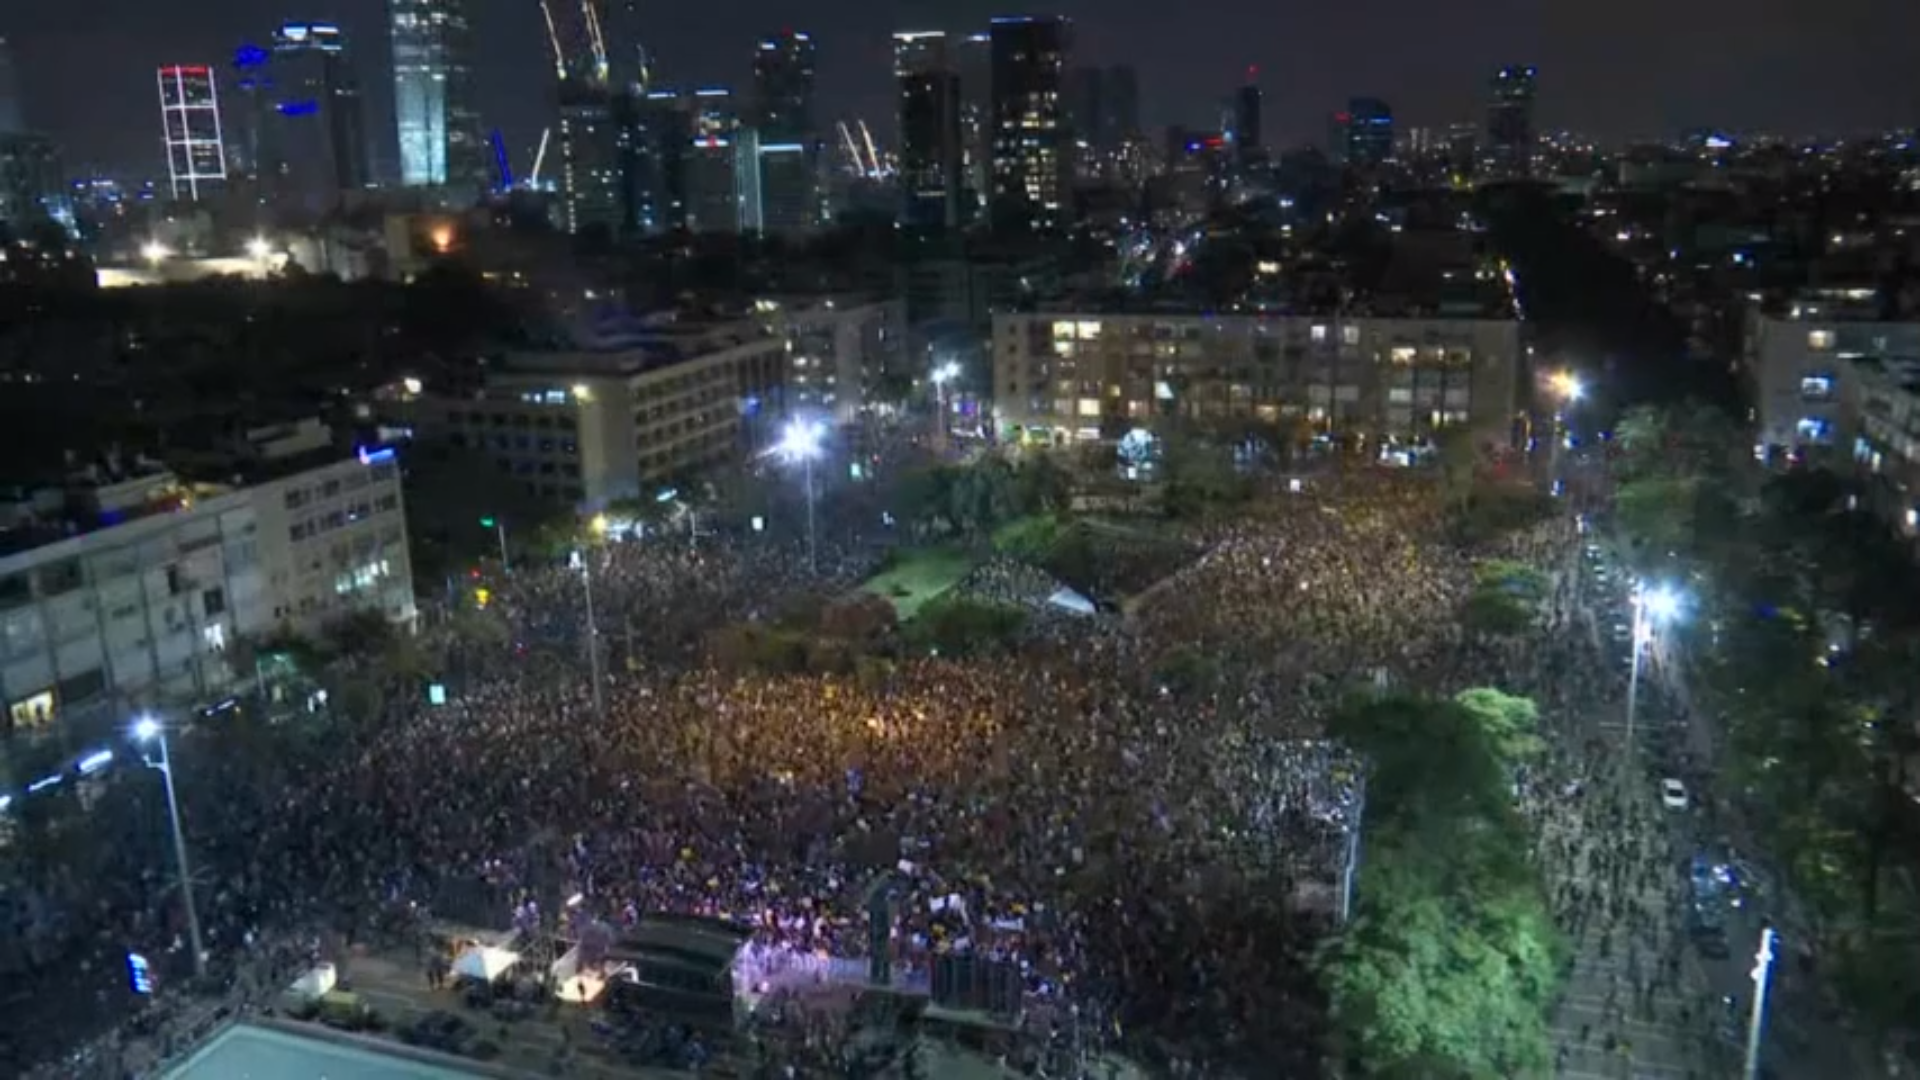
[(919, 577)]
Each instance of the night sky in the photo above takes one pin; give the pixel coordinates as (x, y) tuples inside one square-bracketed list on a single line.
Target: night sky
[(1624, 68)]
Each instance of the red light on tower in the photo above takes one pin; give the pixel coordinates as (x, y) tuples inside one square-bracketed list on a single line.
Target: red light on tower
[(1253, 72)]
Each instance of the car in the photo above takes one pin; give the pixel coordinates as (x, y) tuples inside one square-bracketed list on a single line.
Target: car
[(1673, 794)]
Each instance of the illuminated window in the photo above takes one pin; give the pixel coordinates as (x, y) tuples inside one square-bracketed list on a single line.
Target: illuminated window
[(1813, 429), (1402, 354), (1319, 334), (1350, 335), (1820, 340), (1816, 387), (1063, 331), (31, 712), (1089, 407), (1088, 331)]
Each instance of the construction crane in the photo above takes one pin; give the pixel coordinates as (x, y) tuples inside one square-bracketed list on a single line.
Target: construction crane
[(553, 38), (853, 148), (596, 40), (539, 159), (873, 157)]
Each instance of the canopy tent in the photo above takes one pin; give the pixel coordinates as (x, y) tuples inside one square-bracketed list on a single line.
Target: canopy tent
[(484, 962)]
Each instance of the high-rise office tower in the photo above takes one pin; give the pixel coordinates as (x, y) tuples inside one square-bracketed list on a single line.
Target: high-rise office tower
[(1509, 149), (441, 143), (190, 126), (698, 150), (1369, 133), (321, 144), (932, 150), (782, 159), (1086, 95), (973, 61), (1245, 130), (11, 120), (1122, 103), (1031, 155), (594, 160)]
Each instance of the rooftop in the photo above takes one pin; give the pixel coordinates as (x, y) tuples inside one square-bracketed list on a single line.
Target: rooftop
[(252, 1052)]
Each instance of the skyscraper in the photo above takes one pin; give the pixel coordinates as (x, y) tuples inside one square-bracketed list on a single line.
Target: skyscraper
[(973, 61), (1369, 133), (932, 151), (1509, 146), (190, 128), (629, 65), (1030, 131), (11, 120), (440, 139), (1122, 103), (1245, 131), (321, 144), (594, 163), (784, 151)]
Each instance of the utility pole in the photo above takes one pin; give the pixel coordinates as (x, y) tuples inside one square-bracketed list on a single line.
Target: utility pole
[(593, 639), (499, 527)]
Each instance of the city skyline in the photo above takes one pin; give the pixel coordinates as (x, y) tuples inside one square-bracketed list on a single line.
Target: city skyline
[(1600, 73)]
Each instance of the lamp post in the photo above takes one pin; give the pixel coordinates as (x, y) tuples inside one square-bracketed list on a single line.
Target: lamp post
[(1651, 604), (801, 442), (1757, 1020), (148, 730), (943, 377), (585, 565), (499, 527)]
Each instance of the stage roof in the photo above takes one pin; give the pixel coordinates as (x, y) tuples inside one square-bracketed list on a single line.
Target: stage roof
[(249, 1052)]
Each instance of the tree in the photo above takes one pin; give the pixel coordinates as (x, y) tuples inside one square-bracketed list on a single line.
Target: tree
[(1511, 722)]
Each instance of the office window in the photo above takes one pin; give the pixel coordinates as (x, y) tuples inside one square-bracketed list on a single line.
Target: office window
[(1319, 334), (1350, 334), (1816, 387), (1820, 340)]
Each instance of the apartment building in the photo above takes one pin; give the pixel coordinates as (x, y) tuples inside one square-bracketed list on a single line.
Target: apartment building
[(838, 348), (128, 592), (1880, 419), (1074, 376), (1798, 357), (588, 427)]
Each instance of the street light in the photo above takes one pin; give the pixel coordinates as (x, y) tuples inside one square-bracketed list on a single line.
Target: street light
[(1651, 604), (148, 730), (1757, 1020), (155, 252), (1568, 386), (258, 249), (584, 563), (499, 527), (943, 376), (802, 442)]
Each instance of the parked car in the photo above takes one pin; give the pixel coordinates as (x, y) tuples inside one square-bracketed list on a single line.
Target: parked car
[(1673, 794)]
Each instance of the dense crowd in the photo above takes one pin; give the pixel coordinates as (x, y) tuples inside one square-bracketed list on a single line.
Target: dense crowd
[(1157, 860)]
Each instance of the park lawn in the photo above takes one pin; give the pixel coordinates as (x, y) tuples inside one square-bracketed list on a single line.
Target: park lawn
[(919, 577)]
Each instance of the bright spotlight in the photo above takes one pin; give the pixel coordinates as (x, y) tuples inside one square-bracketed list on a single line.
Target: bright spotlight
[(258, 247), (801, 440), (146, 729), (1660, 602), (946, 373), (155, 252)]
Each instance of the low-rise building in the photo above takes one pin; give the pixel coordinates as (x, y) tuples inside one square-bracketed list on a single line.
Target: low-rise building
[(1072, 376), (839, 348), (126, 590), (590, 426), (1798, 357)]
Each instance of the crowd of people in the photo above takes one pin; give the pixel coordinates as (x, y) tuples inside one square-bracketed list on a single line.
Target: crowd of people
[(1158, 862)]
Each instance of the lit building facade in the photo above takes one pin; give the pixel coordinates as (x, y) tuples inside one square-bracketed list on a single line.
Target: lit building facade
[(837, 351), (1072, 377), (1799, 361), (190, 125), (1510, 123), (1032, 149), (142, 614), (596, 158), (441, 144)]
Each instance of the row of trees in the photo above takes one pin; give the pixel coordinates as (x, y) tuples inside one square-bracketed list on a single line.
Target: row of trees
[(1808, 640), (1451, 963)]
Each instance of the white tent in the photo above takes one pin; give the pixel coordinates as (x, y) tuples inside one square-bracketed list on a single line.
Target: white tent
[(484, 962)]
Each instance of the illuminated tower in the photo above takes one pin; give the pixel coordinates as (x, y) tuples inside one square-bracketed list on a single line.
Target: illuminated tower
[(1031, 159), (932, 150), (1510, 122), (190, 126), (780, 177), (441, 143)]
